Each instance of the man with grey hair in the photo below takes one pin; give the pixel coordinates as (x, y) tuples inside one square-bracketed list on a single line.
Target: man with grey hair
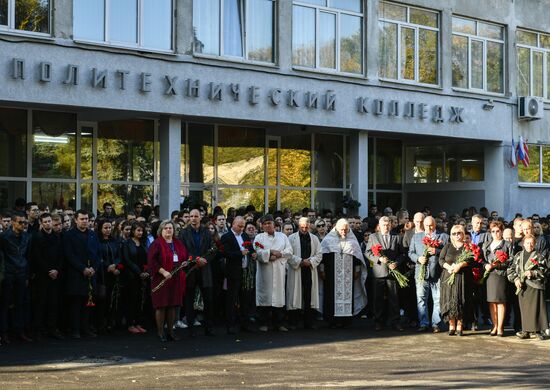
[(273, 250), (385, 286), (427, 282), (302, 288), (345, 276)]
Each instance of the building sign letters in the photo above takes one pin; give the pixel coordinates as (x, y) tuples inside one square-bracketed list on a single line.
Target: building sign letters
[(216, 92)]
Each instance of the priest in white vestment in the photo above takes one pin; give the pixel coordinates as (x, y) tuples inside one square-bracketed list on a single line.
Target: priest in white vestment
[(345, 275), (273, 250), (302, 287)]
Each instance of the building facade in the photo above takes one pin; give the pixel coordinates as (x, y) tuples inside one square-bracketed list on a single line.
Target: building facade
[(276, 103)]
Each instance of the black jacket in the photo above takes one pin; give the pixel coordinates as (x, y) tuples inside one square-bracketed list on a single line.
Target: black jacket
[(233, 255), (81, 251), (45, 254), (207, 250)]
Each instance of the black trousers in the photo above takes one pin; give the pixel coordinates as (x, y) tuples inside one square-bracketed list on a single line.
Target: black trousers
[(194, 281), (386, 288), (14, 293), (275, 314), (231, 301), (79, 316), (45, 304), (308, 312)]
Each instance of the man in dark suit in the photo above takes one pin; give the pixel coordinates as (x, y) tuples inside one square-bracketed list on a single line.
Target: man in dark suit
[(81, 249), (198, 241), (384, 284), (237, 255), (46, 260)]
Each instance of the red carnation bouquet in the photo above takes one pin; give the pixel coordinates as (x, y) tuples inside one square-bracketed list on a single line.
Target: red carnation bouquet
[(470, 254), (402, 280), (247, 245), (428, 243), (531, 264), (258, 245), (501, 258)]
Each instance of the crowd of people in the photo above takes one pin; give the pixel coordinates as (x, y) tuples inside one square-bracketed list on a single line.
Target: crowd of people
[(69, 273)]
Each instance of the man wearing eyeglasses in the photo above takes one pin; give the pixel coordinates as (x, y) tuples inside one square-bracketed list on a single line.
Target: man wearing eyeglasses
[(14, 243)]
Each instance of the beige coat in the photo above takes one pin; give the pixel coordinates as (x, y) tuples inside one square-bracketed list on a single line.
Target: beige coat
[(294, 278)]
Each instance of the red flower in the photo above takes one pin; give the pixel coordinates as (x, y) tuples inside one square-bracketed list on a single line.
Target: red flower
[(477, 274), (535, 262), (258, 245), (219, 245), (247, 244), (120, 266), (501, 256), (427, 241), (376, 249)]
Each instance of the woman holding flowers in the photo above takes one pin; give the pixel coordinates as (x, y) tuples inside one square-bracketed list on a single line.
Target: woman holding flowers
[(456, 282), (165, 254), (497, 255), (527, 273)]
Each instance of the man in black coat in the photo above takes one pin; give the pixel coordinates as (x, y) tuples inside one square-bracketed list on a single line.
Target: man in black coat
[(15, 243), (385, 286), (46, 260), (237, 249), (81, 249), (198, 241)]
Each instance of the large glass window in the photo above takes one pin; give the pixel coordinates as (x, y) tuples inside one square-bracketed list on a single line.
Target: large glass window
[(409, 43), (134, 23), (25, 15), (328, 35), (533, 63), (388, 164), (53, 145), (125, 151), (55, 195), (235, 28), (241, 156), (478, 55), (123, 196), (448, 163), (538, 170), (13, 142), (10, 191), (329, 159)]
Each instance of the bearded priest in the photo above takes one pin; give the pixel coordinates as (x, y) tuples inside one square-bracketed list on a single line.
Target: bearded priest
[(345, 275)]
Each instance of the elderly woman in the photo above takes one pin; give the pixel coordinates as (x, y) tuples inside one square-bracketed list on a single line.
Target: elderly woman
[(456, 299), (165, 254), (345, 275), (320, 229), (494, 250), (527, 273)]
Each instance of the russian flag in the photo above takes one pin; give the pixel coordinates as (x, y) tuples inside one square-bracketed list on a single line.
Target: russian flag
[(523, 152)]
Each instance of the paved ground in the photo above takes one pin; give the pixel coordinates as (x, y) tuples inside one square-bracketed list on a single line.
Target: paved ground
[(352, 358)]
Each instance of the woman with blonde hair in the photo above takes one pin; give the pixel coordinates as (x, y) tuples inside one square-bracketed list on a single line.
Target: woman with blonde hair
[(456, 299)]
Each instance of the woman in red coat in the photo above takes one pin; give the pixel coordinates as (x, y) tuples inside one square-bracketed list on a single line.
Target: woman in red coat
[(165, 254)]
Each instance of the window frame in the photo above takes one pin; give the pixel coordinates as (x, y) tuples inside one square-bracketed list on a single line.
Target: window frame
[(545, 63), (416, 28), (338, 13), (540, 182), (139, 32), (244, 42), (484, 40), (10, 27)]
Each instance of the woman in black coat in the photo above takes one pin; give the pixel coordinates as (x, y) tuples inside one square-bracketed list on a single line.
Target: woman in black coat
[(135, 276)]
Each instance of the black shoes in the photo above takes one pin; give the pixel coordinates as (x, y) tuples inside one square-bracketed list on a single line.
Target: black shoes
[(452, 332), (423, 328)]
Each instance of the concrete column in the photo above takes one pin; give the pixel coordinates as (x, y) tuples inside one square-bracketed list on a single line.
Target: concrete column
[(284, 34), (170, 165), (62, 19), (183, 38), (495, 170), (359, 168)]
